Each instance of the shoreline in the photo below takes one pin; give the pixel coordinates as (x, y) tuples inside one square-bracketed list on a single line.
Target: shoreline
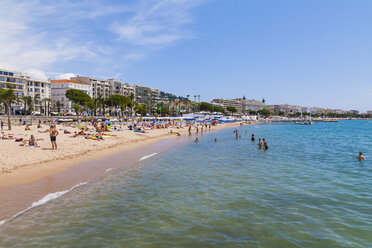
[(26, 173), (29, 184)]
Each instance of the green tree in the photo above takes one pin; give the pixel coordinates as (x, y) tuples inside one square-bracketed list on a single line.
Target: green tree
[(78, 98), (205, 106), (119, 101), (217, 108), (231, 109), (140, 109), (58, 103), (7, 97), (264, 112)]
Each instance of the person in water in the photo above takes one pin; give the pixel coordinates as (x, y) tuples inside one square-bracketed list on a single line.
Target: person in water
[(215, 140), (252, 138), (259, 143), (196, 140), (237, 134), (360, 156), (265, 144)]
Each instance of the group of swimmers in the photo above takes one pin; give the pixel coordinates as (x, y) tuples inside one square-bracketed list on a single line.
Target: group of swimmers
[(203, 128)]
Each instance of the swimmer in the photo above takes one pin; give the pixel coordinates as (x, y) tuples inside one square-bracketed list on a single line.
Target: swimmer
[(265, 144), (196, 140), (215, 140), (360, 156), (237, 134), (252, 138), (259, 143)]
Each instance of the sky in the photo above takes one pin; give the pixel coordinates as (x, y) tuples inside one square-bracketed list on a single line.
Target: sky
[(307, 53)]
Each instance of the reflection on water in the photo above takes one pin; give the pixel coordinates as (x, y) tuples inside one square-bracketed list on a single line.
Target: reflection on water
[(307, 190)]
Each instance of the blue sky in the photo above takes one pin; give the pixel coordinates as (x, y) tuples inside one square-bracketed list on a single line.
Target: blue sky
[(310, 53)]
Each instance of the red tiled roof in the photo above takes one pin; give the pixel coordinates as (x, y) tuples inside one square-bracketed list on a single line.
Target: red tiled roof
[(67, 81)]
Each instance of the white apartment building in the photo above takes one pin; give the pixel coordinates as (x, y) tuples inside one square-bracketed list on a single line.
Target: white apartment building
[(147, 95), (58, 92), (25, 86), (228, 102), (117, 87)]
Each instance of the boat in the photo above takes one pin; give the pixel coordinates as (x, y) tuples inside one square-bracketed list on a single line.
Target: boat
[(304, 121)]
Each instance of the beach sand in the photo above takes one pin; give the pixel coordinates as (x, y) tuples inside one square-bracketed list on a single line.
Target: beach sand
[(23, 164)]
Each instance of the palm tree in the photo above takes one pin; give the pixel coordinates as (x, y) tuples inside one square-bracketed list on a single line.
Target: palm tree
[(24, 99), (58, 104), (187, 102), (34, 101), (7, 97), (46, 105)]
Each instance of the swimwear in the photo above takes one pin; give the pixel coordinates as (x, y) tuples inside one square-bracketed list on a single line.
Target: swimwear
[(53, 138)]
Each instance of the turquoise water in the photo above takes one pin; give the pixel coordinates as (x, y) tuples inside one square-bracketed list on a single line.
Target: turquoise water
[(307, 190)]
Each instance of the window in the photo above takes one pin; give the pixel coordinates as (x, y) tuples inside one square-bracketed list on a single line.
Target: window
[(11, 74), (1, 73), (20, 87), (42, 84), (11, 80), (30, 89), (2, 79), (2, 85), (36, 84), (42, 91), (6, 73), (19, 81)]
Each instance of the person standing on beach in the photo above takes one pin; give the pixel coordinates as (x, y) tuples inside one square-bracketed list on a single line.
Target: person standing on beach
[(53, 132), (190, 130), (197, 129), (2, 125)]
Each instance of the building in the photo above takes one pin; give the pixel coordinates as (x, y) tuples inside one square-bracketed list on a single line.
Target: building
[(25, 86), (251, 105), (117, 87), (108, 87), (99, 88), (58, 92), (354, 112), (242, 105), (224, 103), (369, 112), (147, 95)]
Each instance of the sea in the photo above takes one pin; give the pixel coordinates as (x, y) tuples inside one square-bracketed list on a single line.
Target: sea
[(307, 190)]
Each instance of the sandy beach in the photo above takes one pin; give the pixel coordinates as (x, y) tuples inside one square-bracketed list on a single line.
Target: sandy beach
[(23, 164)]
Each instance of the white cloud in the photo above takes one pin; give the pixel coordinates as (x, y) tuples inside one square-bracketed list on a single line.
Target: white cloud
[(156, 23), (48, 34), (65, 75), (36, 74)]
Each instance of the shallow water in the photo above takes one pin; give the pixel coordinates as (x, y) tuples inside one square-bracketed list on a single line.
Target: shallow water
[(307, 190)]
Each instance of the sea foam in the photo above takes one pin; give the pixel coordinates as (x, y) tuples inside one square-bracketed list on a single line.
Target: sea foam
[(148, 156), (45, 199)]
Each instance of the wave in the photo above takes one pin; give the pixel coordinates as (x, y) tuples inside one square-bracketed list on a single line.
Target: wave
[(148, 156), (45, 199)]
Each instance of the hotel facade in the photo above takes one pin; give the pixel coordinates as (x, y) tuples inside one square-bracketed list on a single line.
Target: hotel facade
[(24, 85)]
